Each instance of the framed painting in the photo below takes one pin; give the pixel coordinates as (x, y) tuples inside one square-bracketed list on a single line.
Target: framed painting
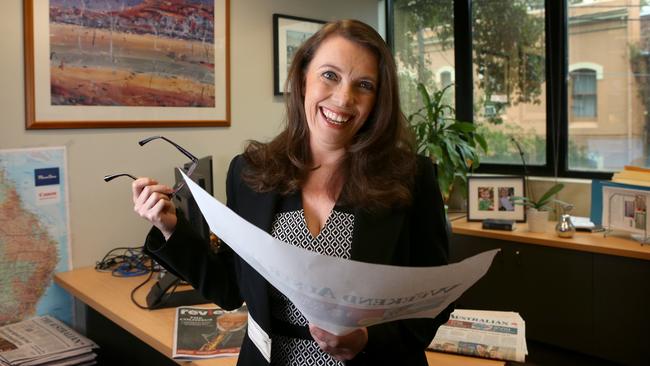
[(126, 63), (289, 33), (490, 197)]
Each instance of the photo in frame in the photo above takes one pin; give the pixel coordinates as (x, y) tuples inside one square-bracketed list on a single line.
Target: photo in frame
[(126, 63), (289, 33), (625, 209), (490, 197)]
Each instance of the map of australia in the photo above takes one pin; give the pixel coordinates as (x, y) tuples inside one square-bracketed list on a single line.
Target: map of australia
[(33, 234)]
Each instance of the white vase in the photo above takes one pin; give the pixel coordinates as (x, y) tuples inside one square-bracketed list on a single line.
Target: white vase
[(537, 220)]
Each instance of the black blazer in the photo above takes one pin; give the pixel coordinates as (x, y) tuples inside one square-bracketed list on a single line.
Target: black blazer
[(413, 236)]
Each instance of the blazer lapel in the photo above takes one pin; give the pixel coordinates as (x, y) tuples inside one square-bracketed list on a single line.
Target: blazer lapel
[(376, 235), (258, 209)]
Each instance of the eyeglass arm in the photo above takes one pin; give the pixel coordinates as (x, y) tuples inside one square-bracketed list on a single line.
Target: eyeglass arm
[(110, 177), (180, 148)]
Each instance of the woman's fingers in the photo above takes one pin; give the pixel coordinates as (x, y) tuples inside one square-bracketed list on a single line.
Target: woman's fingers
[(152, 202), (138, 185), (342, 348)]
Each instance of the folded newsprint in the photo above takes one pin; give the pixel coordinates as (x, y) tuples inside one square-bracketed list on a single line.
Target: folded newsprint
[(491, 334), (44, 340), (336, 294), (208, 332)]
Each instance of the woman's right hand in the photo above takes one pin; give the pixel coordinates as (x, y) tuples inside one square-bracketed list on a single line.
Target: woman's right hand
[(152, 201)]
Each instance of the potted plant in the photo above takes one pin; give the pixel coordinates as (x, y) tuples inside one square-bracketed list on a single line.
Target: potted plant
[(453, 145), (537, 213)]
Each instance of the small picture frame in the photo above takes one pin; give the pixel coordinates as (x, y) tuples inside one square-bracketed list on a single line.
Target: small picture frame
[(289, 33), (490, 197), (625, 209)]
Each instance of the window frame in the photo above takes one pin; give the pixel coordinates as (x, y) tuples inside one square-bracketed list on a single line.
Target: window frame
[(557, 98)]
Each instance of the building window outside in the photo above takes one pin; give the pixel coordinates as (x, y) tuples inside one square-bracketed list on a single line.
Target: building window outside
[(583, 93), (445, 79)]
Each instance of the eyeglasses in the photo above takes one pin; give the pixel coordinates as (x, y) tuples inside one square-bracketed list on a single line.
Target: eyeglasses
[(188, 171)]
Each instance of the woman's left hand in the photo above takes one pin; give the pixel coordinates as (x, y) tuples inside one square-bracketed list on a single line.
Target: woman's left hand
[(342, 348)]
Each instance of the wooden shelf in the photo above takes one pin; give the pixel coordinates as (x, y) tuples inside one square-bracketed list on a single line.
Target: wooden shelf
[(613, 244)]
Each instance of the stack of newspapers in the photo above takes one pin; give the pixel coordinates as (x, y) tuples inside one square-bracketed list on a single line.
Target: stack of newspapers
[(44, 340), (499, 335)]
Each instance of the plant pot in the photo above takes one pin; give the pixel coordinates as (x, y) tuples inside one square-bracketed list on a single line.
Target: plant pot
[(537, 220)]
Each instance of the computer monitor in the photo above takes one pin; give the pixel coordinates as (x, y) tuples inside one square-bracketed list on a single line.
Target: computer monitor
[(183, 199), (164, 293)]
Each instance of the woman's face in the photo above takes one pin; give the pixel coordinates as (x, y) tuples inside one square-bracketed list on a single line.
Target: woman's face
[(340, 91)]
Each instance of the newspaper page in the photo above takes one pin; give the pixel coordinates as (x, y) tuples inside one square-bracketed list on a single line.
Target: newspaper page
[(40, 337), (208, 332), (491, 334), (336, 294)]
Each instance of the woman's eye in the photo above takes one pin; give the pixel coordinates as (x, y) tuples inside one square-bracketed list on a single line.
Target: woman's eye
[(367, 85), (329, 75)]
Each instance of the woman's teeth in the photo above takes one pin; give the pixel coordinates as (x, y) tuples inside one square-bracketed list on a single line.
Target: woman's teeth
[(335, 117)]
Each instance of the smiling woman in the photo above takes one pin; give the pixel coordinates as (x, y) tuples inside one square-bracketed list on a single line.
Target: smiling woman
[(342, 180)]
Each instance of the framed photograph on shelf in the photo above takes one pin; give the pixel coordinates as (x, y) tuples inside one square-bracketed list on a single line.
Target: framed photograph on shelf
[(289, 33), (625, 209), (490, 197), (113, 64)]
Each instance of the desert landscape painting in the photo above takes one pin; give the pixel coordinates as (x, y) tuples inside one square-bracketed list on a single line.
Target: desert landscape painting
[(132, 53)]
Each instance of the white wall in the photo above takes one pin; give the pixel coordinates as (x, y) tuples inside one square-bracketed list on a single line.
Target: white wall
[(101, 213)]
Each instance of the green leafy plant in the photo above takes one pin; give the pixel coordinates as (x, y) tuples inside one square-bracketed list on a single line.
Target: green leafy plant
[(542, 204), (452, 144)]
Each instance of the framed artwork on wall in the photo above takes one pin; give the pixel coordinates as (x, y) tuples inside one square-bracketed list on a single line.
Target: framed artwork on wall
[(289, 33), (126, 63), (490, 197)]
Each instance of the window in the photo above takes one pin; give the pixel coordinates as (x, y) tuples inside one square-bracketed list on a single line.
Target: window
[(583, 93), (569, 80), (445, 77), (508, 50), (608, 90), (423, 43)]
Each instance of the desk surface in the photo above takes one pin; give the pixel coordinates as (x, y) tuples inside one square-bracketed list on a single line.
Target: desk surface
[(110, 296), (582, 241)]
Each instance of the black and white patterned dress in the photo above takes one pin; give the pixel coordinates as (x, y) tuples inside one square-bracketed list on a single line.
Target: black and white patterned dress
[(334, 240)]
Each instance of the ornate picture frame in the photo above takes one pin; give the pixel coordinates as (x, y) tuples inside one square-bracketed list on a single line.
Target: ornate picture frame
[(101, 64)]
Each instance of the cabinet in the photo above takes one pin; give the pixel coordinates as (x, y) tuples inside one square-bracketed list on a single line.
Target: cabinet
[(577, 300)]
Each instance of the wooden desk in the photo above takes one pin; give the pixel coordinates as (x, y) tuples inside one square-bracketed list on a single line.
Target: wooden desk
[(109, 296)]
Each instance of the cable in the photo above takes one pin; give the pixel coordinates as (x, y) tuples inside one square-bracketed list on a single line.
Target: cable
[(133, 300), (130, 262)]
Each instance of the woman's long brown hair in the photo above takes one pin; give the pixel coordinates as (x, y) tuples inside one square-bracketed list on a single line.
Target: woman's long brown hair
[(379, 165)]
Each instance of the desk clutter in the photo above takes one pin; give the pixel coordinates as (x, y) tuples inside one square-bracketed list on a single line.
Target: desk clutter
[(168, 291), (44, 340)]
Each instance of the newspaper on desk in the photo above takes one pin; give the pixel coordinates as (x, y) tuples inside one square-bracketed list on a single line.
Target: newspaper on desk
[(340, 295), (43, 340), (491, 334)]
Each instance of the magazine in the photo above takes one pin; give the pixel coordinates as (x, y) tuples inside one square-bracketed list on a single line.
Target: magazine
[(208, 332), (491, 334)]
